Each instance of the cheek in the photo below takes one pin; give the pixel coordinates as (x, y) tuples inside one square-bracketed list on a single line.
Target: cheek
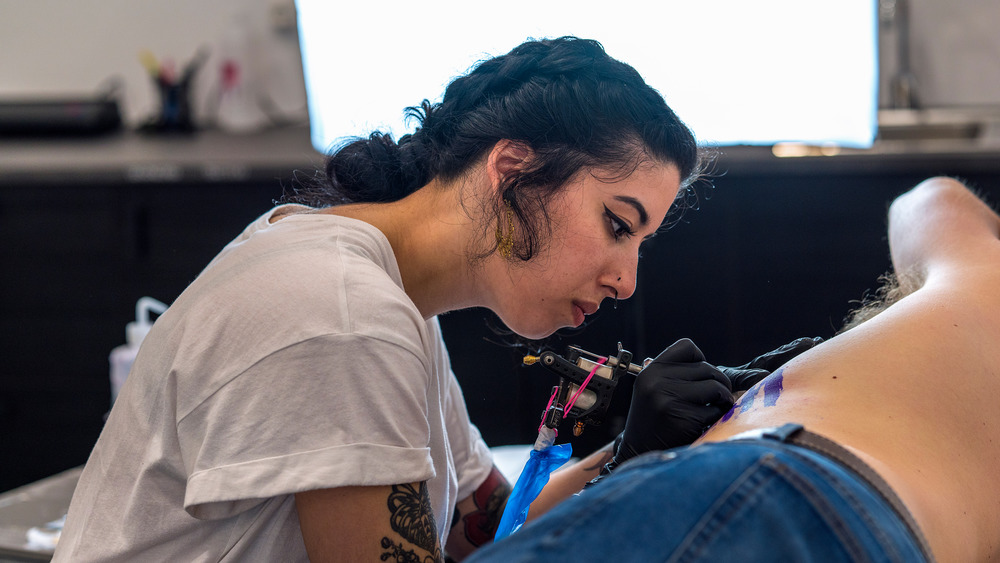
[(586, 249), (568, 267), (567, 263)]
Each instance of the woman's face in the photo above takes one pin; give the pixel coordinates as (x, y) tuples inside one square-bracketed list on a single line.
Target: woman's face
[(592, 253)]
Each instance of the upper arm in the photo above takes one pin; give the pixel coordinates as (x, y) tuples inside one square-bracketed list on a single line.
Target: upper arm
[(478, 516), (940, 225), (368, 523)]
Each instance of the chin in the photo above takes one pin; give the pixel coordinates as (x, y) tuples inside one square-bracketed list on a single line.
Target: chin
[(537, 335), (531, 331)]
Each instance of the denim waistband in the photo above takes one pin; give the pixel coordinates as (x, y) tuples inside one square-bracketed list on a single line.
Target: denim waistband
[(797, 435)]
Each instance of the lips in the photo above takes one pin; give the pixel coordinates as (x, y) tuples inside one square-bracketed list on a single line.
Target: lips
[(581, 310)]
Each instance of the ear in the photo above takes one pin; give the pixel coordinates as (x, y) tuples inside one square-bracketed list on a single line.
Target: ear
[(507, 158)]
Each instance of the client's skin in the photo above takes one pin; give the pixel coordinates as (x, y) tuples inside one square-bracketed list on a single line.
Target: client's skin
[(913, 390)]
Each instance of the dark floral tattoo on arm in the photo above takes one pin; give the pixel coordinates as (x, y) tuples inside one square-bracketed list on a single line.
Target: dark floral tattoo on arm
[(412, 518)]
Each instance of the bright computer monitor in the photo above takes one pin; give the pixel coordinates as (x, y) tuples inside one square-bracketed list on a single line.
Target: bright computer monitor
[(736, 72)]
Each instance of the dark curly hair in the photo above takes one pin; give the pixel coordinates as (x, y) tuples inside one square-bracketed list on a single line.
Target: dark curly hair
[(566, 99)]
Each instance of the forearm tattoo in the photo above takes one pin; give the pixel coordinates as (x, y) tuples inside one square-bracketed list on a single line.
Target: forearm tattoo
[(481, 524), (411, 516)]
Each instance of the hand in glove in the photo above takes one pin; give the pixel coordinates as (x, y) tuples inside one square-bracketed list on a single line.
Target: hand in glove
[(675, 398), (679, 395), (746, 376)]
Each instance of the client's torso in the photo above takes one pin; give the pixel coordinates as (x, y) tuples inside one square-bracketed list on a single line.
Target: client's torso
[(913, 393)]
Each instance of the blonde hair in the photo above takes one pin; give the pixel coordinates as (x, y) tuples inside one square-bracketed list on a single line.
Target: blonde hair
[(892, 288)]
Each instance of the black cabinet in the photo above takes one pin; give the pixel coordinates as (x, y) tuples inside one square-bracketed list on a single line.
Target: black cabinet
[(77, 259)]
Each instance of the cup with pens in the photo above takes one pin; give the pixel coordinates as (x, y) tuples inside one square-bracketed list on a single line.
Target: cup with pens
[(174, 89)]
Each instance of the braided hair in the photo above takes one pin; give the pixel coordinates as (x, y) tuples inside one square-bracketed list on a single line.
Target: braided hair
[(565, 98)]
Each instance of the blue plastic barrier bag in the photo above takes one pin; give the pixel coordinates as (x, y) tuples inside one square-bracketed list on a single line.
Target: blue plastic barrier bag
[(533, 477)]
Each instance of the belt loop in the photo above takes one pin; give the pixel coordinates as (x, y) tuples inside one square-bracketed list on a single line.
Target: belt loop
[(783, 433)]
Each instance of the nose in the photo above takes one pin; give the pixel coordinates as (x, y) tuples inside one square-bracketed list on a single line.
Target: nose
[(625, 286), (623, 279)]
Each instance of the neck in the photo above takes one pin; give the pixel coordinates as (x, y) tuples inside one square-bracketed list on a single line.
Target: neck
[(429, 232)]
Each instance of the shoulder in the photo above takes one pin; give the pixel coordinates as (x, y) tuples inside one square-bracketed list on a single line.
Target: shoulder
[(311, 259), (302, 277), (302, 231), (942, 227)]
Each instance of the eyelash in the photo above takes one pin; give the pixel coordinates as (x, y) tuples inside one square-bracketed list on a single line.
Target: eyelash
[(619, 228)]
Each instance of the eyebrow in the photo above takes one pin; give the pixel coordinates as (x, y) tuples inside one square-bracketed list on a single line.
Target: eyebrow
[(643, 216)]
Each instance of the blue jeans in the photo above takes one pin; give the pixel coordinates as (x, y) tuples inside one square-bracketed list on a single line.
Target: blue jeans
[(745, 500)]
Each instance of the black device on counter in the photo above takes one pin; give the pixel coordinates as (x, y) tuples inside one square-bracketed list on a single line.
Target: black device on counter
[(58, 117)]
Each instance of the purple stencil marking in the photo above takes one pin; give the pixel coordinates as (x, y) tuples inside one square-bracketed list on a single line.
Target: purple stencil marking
[(742, 405), (729, 414), (746, 401), (772, 388)]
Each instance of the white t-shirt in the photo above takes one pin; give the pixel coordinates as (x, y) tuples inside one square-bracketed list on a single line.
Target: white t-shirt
[(295, 361)]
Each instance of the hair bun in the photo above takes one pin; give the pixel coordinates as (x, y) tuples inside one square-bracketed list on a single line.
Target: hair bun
[(365, 169)]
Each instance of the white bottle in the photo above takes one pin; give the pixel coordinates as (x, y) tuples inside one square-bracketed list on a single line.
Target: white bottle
[(121, 357), (239, 108)]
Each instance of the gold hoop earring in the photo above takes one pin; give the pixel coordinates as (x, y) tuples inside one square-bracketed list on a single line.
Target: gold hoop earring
[(505, 241)]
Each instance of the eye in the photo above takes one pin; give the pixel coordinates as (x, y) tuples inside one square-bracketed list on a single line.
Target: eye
[(619, 228)]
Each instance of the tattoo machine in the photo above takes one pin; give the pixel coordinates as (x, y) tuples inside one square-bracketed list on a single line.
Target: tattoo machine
[(586, 384)]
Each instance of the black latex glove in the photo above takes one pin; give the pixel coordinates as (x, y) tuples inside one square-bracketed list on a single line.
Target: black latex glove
[(746, 376), (679, 395), (675, 398)]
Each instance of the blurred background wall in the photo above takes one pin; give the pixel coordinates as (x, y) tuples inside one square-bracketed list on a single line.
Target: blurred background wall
[(52, 47)]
